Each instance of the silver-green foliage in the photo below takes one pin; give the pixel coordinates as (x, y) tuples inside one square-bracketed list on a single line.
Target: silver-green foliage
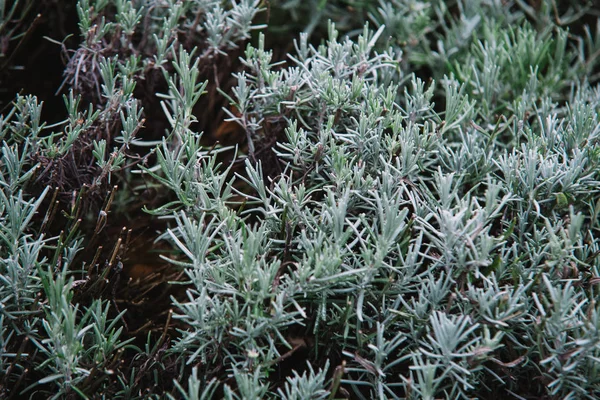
[(49, 344), (431, 238), (439, 251), (36, 290)]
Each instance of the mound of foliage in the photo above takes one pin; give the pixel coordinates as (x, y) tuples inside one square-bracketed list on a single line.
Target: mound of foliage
[(405, 206)]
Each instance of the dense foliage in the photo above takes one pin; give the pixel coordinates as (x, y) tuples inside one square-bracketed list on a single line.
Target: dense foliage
[(403, 205)]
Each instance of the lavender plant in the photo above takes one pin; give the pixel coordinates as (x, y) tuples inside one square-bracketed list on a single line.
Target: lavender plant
[(408, 211), (63, 332), (396, 235)]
